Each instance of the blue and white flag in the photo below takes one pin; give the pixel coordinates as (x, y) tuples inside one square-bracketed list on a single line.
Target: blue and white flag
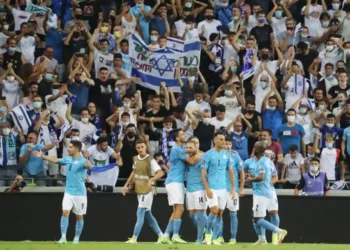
[(160, 65), (21, 118), (104, 175), (248, 69), (35, 9)]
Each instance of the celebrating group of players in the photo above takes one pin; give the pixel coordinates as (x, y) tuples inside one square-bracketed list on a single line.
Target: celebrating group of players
[(215, 179)]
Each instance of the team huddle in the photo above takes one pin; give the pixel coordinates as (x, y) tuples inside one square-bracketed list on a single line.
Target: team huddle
[(215, 179)]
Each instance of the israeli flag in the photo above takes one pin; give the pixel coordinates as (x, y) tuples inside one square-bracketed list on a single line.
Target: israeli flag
[(104, 175)]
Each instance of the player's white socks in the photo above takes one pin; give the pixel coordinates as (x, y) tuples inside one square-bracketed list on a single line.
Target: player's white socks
[(63, 235), (166, 235), (175, 236), (134, 237), (278, 230)]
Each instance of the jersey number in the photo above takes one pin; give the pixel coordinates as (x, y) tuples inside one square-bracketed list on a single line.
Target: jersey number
[(200, 199), (142, 198), (82, 206), (257, 207)]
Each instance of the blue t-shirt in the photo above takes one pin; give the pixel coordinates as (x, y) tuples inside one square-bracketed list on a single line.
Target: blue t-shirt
[(33, 165), (289, 136), (81, 91), (224, 14), (158, 23), (240, 144), (336, 132), (177, 170), (346, 136), (236, 166), (263, 166), (216, 163), (193, 177), (75, 175), (272, 120), (55, 39), (144, 22)]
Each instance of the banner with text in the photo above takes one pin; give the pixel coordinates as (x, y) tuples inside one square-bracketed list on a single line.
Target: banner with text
[(160, 65)]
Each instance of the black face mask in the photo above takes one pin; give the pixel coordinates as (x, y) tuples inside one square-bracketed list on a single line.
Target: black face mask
[(76, 34), (250, 112), (78, 16), (23, 6), (290, 28), (130, 134), (210, 17), (265, 57), (112, 18), (313, 1)]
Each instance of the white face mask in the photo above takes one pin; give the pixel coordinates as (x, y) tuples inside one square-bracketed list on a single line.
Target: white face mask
[(10, 78), (6, 27), (188, 26), (85, 120), (206, 121), (167, 129), (330, 125), (329, 47), (125, 123), (6, 131), (75, 138), (238, 132), (290, 118)]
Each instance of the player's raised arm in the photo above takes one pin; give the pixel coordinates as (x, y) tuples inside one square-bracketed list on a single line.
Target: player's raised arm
[(40, 154)]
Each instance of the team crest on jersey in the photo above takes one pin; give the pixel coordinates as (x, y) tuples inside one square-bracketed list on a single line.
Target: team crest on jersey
[(225, 157), (300, 83), (259, 167)]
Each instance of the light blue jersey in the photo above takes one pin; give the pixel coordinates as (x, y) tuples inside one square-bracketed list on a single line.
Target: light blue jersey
[(177, 170), (193, 177), (236, 166), (216, 163), (262, 166), (75, 175)]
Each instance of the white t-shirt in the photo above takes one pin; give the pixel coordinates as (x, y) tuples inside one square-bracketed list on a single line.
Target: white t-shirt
[(45, 138), (260, 94), (3, 41), (328, 161), (180, 27), (27, 47), (209, 28), (181, 124), (99, 157), (306, 122), (11, 90), (329, 57), (231, 105), (218, 124), (86, 131), (312, 21), (293, 167), (252, 22), (130, 112), (295, 90), (229, 52), (192, 34), (102, 60), (59, 105), (52, 64), (194, 105), (278, 25), (129, 27), (20, 17)]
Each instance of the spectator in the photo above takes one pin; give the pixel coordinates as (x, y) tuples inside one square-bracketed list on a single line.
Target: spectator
[(11, 86), (273, 149), (77, 18), (12, 56), (16, 185), (293, 168)]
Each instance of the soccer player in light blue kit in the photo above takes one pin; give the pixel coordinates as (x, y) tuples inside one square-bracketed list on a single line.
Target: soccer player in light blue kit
[(261, 173), (233, 204), (175, 187), (75, 193), (215, 163), (196, 201)]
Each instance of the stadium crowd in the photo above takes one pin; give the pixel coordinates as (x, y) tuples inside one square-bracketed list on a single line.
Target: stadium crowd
[(274, 71)]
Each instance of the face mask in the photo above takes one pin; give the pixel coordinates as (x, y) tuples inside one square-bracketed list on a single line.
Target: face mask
[(104, 29), (290, 118), (321, 107), (304, 35), (37, 105), (85, 120), (335, 6), (154, 38), (139, 5), (78, 16), (265, 57), (55, 92), (238, 132), (125, 123), (48, 76), (188, 5), (228, 92), (233, 69), (329, 47), (263, 85), (261, 20), (6, 131), (341, 103), (302, 110), (311, 155), (235, 18), (325, 23), (23, 6), (3, 109), (314, 169), (330, 78), (75, 138), (76, 34), (330, 125), (188, 26), (167, 129), (130, 134), (224, 4), (6, 27), (278, 14), (206, 121), (126, 105), (265, 142), (191, 78), (272, 108), (30, 145), (10, 78), (12, 49), (250, 112), (117, 34), (329, 145)]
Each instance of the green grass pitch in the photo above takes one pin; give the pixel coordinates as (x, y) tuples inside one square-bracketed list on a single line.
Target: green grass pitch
[(152, 246)]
